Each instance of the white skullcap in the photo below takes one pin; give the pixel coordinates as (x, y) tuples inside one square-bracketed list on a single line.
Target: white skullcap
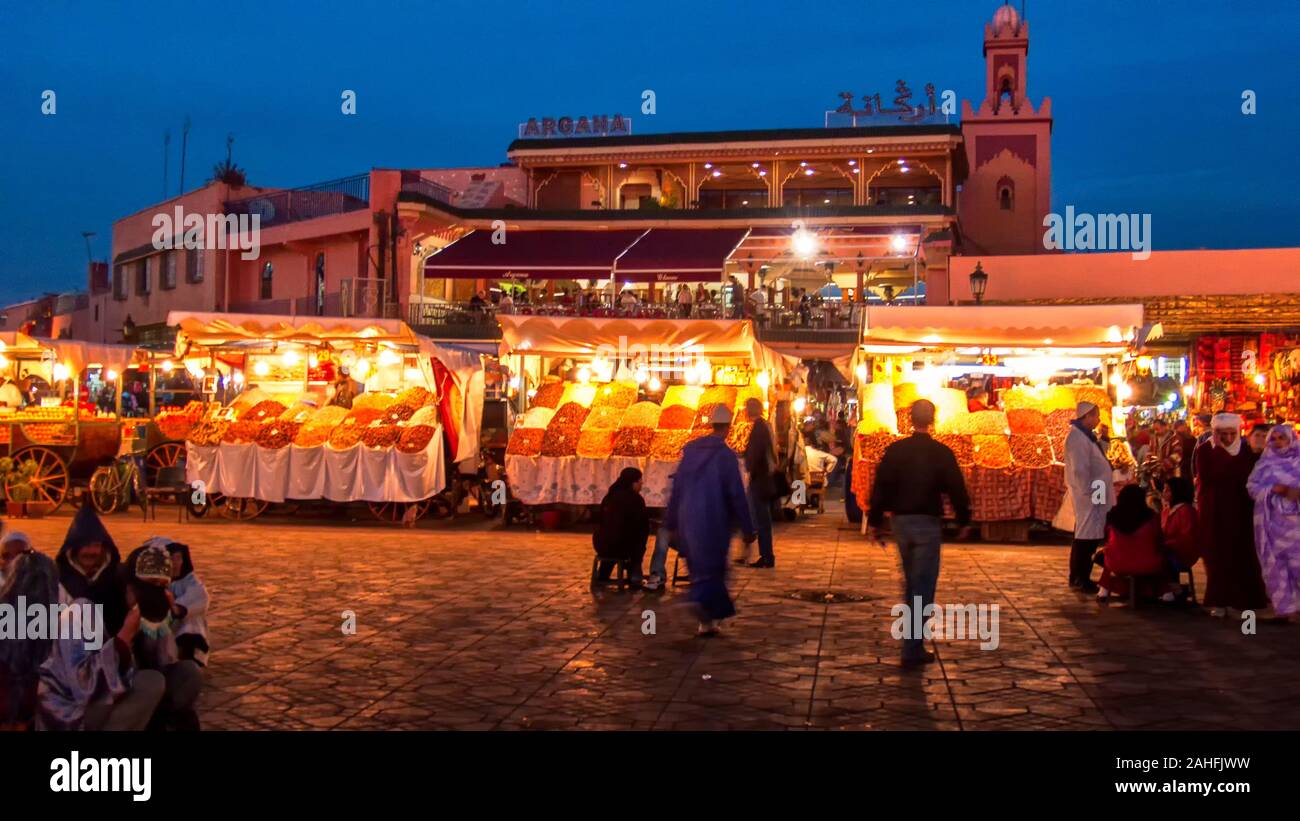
[(1226, 420), (1083, 409), (721, 415)]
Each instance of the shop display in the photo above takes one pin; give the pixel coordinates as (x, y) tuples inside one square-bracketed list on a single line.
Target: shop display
[(603, 418), (633, 440), (596, 443), (525, 442), (548, 395), (988, 423), (278, 433), (677, 417), (562, 433), (415, 397), (961, 445), (577, 392), (177, 422), (684, 395), (348, 432), (373, 401), (415, 438), (641, 415), (537, 418), (1026, 420), (738, 435), (316, 430), (1031, 450), (871, 446), (380, 435), (617, 395), (667, 444), (992, 450), (719, 395), (209, 433)]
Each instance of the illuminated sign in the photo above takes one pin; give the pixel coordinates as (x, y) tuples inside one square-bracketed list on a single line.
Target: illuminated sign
[(601, 125)]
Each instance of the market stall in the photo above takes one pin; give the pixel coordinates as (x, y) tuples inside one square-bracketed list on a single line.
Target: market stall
[(310, 408), (1035, 364), (55, 437), (595, 396)]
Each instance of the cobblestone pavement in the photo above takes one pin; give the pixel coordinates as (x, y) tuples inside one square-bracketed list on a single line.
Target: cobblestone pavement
[(462, 624)]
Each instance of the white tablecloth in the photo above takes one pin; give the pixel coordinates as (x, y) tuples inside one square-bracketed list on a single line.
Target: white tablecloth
[(578, 480), (358, 474)]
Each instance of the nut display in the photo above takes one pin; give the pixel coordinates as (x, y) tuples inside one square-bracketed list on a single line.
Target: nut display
[(633, 441), (398, 412), (666, 445), (562, 433), (525, 442), (719, 395), (688, 395), (606, 418), (596, 443), (961, 446), (380, 435), (992, 451), (548, 395), (677, 417), (210, 433), (242, 431), (982, 423), (871, 446), (278, 434), (621, 395), (1026, 420), (641, 415), (415, 438), (374, 401), (738, 436), (348, 432), (1031, 450), (415, 396), (263, 411)]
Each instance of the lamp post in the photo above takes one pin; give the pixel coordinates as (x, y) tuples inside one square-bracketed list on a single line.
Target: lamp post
[(978, 282)]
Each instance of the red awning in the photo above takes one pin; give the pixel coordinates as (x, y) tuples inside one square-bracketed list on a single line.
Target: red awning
[(679, 255), (560, 254)]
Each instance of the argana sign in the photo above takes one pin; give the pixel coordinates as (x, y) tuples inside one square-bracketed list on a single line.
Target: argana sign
[(600, 125)]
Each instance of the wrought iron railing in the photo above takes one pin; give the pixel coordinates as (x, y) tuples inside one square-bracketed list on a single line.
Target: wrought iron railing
[(412, 183), (308, 202)]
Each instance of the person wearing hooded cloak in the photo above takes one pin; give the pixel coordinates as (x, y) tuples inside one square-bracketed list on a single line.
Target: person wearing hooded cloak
[(1223, 464), (1274, 484)]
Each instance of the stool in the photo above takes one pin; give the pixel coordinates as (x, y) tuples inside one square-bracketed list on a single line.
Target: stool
[(620, 575), (677, 562)]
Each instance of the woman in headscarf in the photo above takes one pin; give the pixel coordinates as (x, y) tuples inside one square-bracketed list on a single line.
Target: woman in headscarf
[(624, 526), (1133, 545), (190, 604), (1179, 524), (32, 578), (1222, 465), (1274, 484), (90, 567)]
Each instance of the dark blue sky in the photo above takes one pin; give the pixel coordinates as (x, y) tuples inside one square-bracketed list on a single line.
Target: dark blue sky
[(1146, 96)]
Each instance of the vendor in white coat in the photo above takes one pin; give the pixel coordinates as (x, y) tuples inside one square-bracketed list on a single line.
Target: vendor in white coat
[(1089, 490)]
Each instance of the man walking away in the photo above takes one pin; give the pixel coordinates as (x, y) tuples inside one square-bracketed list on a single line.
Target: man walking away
[(913, 477), (706, 505), (1089, 491), (760, 461)]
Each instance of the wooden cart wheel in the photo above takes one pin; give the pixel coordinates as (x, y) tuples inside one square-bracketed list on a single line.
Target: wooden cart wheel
[(105, 489), (165, 455), (210, 501), (50, 482), (397, 513), (241, 509)]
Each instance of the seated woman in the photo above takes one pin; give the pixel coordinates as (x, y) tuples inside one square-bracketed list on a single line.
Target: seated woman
[(624, 526), (1178, 525), (1134, 546)]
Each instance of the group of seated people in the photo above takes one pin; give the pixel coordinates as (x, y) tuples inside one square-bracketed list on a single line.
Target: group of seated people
[(1154, 548), (124, 642)]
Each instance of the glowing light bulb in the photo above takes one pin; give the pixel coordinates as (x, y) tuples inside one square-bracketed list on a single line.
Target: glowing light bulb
[(515, 382), (389, 357), (763, 380), (261, 368), (1259, 379), (60, 372), (804, 243), (1188, 390), (800, 404), (584, 374), (1124, 392), (312, 360), (641, 376), (195, 368), (168, 366), (414, 375), (862, 372), (110, 375), (290, 359), (1116, 379), (4, 361), (238, 377), (361, 368)]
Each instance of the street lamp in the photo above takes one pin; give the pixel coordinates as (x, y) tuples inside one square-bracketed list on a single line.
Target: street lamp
[(978, 282)]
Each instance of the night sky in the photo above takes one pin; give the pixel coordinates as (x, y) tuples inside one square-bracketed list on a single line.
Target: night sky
[(1146, 96)]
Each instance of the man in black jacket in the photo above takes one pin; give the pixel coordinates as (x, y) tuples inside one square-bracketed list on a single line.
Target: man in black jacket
[(760, 461), (913, 477)]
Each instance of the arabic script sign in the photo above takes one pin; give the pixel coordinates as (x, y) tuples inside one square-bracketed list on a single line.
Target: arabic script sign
[(874, 111)]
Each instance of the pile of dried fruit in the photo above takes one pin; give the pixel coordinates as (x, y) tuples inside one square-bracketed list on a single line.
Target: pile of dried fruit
[(905, 420), (427, 415), (415, 396), (961, 446), (263, 411), (525, 442), (641, 415), (348, 432), (596, 443), (1058, 423), (562, 433), (374, 401), (242, 431), (603, 418), (398, 412), (667, 444), (380, 435), (719, 395), (621, 395), (1031, 450), (992, 451), (688, 395), (415, 438), (633, 441), (677, 417), (1026, 420), (871, 446), (209, 433), (548, 395), (278, 434), (704, 416), (982, 423), (537, 418), (738, 436)]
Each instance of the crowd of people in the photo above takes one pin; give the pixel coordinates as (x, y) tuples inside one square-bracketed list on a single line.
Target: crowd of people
[(1229, 501), (131, 637)]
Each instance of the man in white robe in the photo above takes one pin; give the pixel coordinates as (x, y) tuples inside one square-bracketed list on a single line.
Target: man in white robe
[(1089, 490)]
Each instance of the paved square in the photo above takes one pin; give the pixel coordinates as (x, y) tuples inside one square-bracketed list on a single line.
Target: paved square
[(465, 625)]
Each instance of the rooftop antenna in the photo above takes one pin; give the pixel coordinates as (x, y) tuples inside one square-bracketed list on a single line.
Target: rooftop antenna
[(86, 235), (185, 134), (167, 141)]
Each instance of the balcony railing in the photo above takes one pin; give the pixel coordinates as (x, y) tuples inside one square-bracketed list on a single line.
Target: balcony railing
[(412, 183), (356, 297), (308, 202)]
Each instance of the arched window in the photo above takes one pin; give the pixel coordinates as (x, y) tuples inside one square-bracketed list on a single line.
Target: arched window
[(267, 273), (320, 284), (1007, 194)]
